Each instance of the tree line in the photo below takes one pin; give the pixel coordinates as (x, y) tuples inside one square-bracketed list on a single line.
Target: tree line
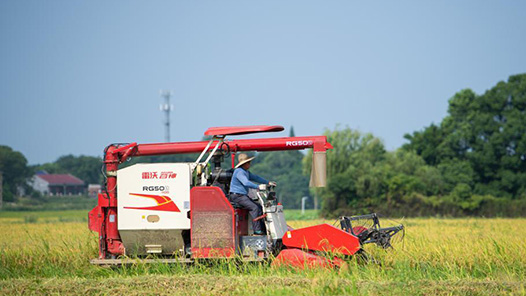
[(471, 163), (16, 172)]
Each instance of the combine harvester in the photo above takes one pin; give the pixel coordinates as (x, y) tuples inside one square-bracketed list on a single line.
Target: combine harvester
[(180, 212)]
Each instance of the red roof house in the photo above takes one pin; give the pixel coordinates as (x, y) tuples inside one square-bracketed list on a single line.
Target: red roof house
[(58, 184)]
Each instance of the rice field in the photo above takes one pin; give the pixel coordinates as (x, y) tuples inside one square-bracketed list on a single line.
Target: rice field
[(49, 253)]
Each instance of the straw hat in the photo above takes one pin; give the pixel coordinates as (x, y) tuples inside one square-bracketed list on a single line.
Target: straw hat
[(243, 158)]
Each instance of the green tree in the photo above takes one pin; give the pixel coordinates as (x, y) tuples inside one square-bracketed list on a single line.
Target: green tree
[(13, 166), (285, 168), (481, 144), (353, 170), (407, 173), (363, 177), (87, 168), (425, 143)]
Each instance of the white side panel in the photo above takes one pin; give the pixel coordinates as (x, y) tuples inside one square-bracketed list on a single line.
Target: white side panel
[(153, 196), (276, 222)]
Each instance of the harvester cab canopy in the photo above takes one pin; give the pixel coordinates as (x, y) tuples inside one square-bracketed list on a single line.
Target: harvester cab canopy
[(219, 134), (242, 130)]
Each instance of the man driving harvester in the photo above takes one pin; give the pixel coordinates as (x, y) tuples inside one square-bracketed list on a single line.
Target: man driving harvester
[(239, 187)]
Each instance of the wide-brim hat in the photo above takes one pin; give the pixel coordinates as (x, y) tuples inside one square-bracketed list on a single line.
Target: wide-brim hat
[(243, 158)]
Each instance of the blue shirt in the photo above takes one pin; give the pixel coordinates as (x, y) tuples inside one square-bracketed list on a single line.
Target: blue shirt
[(241, 181)]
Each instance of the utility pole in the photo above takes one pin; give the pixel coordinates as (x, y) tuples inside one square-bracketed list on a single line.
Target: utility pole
[(166, 108), (303, 200)]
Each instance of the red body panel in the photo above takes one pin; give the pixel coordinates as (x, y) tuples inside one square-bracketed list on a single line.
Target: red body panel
[(203, 252), (105, 202), (301, 259), (213, 224), (94, 217), (323, 237), (242, 222), (110, 244), (113, 238), (103, 219), (242, 130)]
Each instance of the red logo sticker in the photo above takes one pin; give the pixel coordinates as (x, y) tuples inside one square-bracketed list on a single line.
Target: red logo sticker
[(158, 175), (164, 203)]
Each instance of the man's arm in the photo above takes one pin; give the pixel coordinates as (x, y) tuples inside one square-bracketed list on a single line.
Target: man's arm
[(256, 178), (245, 181)]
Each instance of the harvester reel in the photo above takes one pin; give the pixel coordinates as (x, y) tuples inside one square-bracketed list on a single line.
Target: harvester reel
[(382, 239), (370, 231)]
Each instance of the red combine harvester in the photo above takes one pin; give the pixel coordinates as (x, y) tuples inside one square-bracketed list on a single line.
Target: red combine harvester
[(180, 212)]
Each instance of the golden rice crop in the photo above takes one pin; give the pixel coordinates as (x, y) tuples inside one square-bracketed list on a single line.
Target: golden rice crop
[(437, 256)]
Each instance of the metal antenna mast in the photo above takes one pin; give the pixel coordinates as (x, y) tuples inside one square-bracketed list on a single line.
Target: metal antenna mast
[(166, 108)]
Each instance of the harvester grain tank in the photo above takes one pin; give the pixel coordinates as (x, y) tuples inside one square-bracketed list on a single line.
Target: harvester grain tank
[(181, 211)]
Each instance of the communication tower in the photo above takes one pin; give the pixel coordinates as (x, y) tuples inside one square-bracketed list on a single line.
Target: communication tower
[(166, 108)]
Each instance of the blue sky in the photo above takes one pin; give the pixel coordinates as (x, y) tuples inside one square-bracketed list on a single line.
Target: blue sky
[(78, 75)]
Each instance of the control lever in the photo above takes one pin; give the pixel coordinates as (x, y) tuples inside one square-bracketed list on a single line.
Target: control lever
[(272, 193)]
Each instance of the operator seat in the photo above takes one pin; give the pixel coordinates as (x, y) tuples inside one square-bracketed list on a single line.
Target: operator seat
[(234, 204)]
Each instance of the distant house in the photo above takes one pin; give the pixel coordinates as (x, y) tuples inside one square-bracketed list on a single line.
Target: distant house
[(94, 189), (57, 184)]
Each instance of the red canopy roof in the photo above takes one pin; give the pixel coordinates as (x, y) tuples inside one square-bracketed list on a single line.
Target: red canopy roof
[(61, 179), (242, 130)]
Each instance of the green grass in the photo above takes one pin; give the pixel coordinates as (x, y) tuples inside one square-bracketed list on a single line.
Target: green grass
[(52, 203), (296, 215), (438, 257), (44, 216)]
